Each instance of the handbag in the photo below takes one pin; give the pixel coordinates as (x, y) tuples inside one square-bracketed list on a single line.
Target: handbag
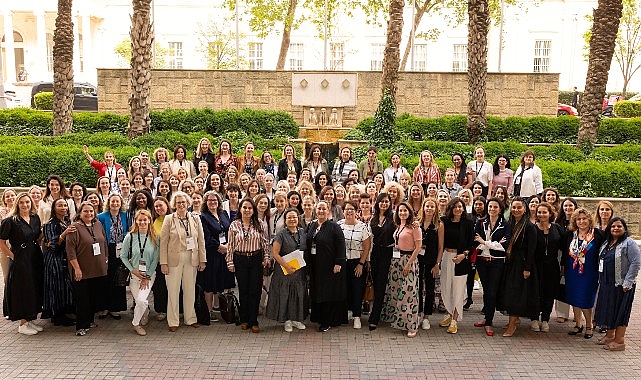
[(122, 274), (200, 305), (368, 292), (229, 307)]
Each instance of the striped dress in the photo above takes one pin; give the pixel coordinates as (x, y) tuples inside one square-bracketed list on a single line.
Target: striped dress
[(58, 289)]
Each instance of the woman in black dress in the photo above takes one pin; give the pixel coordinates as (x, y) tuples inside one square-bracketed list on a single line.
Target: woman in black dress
[(382, 226), (58, 288), (23, 293), (327, 261), (520, 294)]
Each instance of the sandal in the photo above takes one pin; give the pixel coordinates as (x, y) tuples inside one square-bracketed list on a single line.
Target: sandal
[(614, 346), (589, 333), (576, 330), (604, 340)]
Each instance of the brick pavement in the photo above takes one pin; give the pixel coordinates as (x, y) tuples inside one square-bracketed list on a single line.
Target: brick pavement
[(221, 351)]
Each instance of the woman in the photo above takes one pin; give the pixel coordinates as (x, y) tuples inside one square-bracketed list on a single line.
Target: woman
[(604, 212), (520, 296), (371, 190), (321, 180), (354, 176), (326, 261), (8, 199), (138, 181), (159, 288), (289, 163), (394, 171), (533, 203), (103, 188), (306, 188), (581, 263), (355, 193), (429, 257), (269, 186), (216, 278), (141, 250), (491, 239), (477, 189), (294, 201), (567, 209), (187, 186), (161, 156), (305, 175), (315, 161), (87, 254), (549, 241), (140, 200), (309, 213), (277, 219), (247, 163), (134, 167), (466, 196), (262, 206), (148, 181), (620, 258), (442, 198), (528, 179), (125, 190), (248, 247), (267, 163), (224, 159), (364, 213), (145, 164), (164, 189), (328, 195), (107, 168), (94, 199), (55, 188), (202, 169), (58, 288), (379, 180), (291, 180), (458, 237), (551, 196), (503, 174), (463, 174), (180, 161), (450, 184), (382, 226), (358, 241), (416, 198), (182, 253), (427, 170), (196, 203), (396, 194), (205, 153), (481, 170), (232, 176), (114, 220), (23, 291), (479, 208), (215, 183), (200, 184), (287, 290), (36, 195), (253, 189), (231, 205), (344, 165), (401, 297), (164, 172), (479, 212), (181, 174), (340, 193), (502, 195)]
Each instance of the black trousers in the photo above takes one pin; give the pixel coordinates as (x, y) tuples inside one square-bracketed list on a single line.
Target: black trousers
[(380, 263), (427, 283), (470, 283), (546, 304), (249, 276), (490, 273), (160, 292), (355, 286), (86, 293)]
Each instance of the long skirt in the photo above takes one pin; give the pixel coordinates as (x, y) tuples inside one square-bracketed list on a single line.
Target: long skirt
[(614, 306), (453, 288), (286, 300), (401, 296)]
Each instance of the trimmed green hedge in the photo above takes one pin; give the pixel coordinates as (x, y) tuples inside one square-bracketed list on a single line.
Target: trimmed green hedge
[(627, 108), (537, 129), (43, 100), (268, 124)]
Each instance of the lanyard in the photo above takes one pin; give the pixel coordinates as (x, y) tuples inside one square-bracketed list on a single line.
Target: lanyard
[(294, 236), (110, 171), (90, 230), (142, 248), (398, 234), (185, 225), (276, 218)]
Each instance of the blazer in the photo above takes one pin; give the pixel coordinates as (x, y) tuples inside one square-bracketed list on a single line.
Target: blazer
[(283, 170), (105, 219), (240, 164), (173, 240), (493, 246)]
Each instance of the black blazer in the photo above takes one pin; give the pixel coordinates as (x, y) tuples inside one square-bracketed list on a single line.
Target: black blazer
[(282, 168), (465, 243), (503, 229)]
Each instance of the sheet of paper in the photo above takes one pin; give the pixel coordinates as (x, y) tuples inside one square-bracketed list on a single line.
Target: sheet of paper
[(295, 260)]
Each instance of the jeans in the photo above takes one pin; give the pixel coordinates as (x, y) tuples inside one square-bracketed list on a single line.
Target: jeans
[(249, 275), (490, 273), (140, 296)]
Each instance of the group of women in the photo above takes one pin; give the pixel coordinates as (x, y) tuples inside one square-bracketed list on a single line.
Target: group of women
[(316, 236)]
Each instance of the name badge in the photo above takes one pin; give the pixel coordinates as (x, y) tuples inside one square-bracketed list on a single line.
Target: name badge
[(396, 253), (422, 252), (190, 243), (601, 266), (118, 249), (222, 239), (517, 180), (313, 251), (142, 267), (96, 249)]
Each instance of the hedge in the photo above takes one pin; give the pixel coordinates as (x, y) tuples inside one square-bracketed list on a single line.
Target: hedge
[(537, 129), (627, 108), (268, 124), (43, 100)]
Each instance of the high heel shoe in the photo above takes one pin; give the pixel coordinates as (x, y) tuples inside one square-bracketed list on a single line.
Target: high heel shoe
[(510, 331), (576, 330), (589, 333), (488, 331)]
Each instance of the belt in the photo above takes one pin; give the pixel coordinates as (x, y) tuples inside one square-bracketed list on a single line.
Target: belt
[(248, 254), (483, 258), (406, 252)]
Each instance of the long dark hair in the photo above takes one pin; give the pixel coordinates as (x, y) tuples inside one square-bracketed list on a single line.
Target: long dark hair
[(496, 167), (449, 210), (317, 187), (561, 219), (462, 174), (410, 218), (254, 218), (517, 227), (377, 210)]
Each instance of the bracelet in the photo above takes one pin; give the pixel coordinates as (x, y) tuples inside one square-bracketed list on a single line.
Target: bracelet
[(361, 264)]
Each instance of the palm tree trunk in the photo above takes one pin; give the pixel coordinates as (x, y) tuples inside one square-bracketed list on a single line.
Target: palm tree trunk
[(287, 32), (142, 39), (63, 70), (479, 21), (392, 56), (604, 32)]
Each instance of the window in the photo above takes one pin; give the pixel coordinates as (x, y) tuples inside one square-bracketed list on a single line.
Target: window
[(175, 55), (459, 61), (542, 56), (420, 57), (81, 53), (337, 53), (376, 63), (296, 56), (50, 52), (255, 55)]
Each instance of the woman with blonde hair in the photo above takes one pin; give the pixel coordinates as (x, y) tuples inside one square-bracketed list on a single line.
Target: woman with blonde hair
[(604, 213), (396, 194), (248, 163), (306, 188), (466, 197), (204, 153), (427, 170)]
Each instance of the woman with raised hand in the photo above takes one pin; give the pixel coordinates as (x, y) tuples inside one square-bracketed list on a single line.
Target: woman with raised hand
[(315, 161), (248, 252), (382, 227), (180, 161), (107, 168), (620, 260), (287, 290), (23, 291), (140, 254), (182, 253), (204, 153), (114, 220)]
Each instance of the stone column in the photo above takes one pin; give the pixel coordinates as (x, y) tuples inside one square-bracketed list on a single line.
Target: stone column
[(88, 72), (40, 71), (9, 46), (76, 48)]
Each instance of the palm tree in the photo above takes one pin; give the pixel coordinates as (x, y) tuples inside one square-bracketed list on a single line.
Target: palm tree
[(142, 39), (63, 70), (478, 24), (392, 56), (604, 33)]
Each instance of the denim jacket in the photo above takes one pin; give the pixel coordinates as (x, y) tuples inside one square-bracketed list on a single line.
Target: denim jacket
[(627, 261)]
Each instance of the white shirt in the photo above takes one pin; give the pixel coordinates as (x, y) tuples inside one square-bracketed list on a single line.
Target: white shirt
[(531, 182), (482, 172), (390, 173), (355, 235)]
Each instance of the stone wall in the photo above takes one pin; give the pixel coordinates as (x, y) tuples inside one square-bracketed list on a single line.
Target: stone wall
[(420, 93)]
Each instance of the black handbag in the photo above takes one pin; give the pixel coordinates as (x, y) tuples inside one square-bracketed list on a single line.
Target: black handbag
[(229, 307), (123, 275), (200, 305)]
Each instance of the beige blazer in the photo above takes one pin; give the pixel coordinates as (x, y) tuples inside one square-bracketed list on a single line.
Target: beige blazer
[(173, 240)]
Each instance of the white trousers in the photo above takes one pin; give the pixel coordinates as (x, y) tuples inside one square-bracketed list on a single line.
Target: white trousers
[(140, 296), (453, 288), (183, 274), (562, 309)]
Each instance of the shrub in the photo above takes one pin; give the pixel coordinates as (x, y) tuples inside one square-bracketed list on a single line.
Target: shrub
[(627, 108), (43, 100)]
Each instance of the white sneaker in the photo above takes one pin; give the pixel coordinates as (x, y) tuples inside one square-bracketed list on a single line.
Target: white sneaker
[(357, 322), (426, 324), (27, 330), (35, 326), (299, 325), (288, 326), (534, 326), (545, 326)]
